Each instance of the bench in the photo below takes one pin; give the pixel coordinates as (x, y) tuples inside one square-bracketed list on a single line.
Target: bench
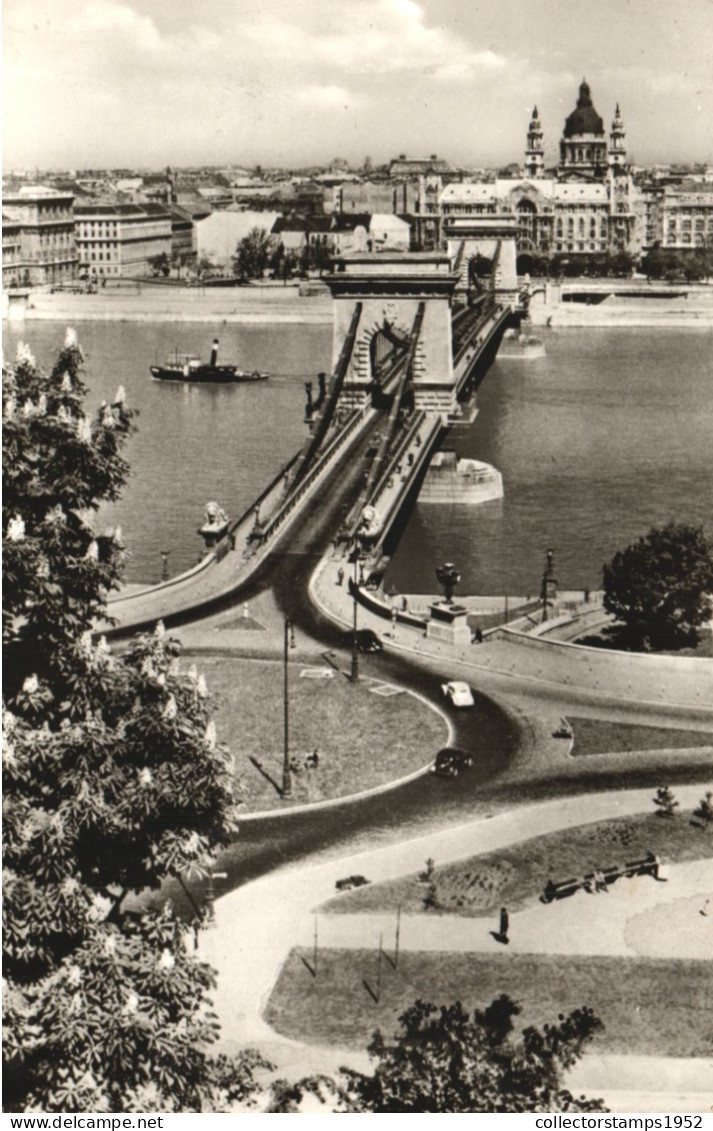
[(648, 865)]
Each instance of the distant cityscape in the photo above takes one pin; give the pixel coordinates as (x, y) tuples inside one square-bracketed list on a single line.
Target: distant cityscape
[(594, 212)]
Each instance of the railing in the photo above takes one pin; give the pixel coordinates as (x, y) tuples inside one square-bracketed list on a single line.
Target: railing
[(312, 446), (358, 418)]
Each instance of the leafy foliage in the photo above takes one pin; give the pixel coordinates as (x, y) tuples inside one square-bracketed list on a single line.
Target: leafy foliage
[(660, 587), (443, 1060), (665, 802), (113, 781), (254, 253)]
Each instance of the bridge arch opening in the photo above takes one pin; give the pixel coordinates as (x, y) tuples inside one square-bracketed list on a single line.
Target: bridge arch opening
[(525, 263), (479, 268)]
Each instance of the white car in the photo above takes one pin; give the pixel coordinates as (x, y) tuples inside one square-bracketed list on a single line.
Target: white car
[(459, 693)]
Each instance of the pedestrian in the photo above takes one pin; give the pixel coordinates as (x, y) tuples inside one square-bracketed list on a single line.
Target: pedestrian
[(246, 611), (586, 596), (340, 576), (478, 636), (504, 924)]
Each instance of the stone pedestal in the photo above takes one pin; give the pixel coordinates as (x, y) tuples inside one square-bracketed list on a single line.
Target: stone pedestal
[(448, 623)]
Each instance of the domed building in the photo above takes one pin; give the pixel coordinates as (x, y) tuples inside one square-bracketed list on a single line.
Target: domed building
[(585, 207), (583, 148)]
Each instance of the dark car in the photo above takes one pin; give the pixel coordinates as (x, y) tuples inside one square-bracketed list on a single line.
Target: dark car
[(367, 641), (350, 882), (450, 762)]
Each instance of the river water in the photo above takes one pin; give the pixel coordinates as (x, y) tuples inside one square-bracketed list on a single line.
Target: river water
[(610, 433)]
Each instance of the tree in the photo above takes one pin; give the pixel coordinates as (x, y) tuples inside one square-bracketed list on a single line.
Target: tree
[(254, 252), (445, 1060), (113, 782), (160, 264), (660, 587), (665, 802)]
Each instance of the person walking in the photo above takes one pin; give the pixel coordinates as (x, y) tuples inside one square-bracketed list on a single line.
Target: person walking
[(504, 924)]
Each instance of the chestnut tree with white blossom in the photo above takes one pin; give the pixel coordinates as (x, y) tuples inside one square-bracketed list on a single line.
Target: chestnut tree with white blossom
[(113, 783)]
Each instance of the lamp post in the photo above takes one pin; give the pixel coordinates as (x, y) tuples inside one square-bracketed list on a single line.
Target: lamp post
[(289, 642), (549, 582), (448, 577), (358, 558)]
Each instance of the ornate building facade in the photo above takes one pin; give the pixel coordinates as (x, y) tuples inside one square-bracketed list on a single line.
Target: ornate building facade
[(587, 206)]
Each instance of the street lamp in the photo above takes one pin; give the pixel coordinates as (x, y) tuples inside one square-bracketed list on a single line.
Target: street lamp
[(289, 642), (549, 582), (448, 577), (358, 558)]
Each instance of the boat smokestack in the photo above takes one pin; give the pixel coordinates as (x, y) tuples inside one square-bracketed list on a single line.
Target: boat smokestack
[(214, 354)]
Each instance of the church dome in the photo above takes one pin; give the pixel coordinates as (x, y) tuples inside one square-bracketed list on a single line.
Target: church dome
[(584, 120)]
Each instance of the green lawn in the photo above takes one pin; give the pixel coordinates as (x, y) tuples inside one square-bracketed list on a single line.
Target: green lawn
[(515, 876), (599, 736), (650, 1007), (362, 739)]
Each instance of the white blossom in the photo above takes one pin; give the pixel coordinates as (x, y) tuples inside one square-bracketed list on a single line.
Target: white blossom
[(42, 404), (145, 776), (117, 538), (31, 685), (28, 409), (16, 529), (93, 551), (70, 338), (64, 415), (107, 416), (202, 687), (75, 976), (56, 514), (102, 647), (148, 669), (10, 407), (85, 643), (131, 1004), (211, 737), (170, 710), (120, 397), (66, 386), (84, 429), (43, 568), (24, 354), (161, 679), (166, 961), (160, 630), (110, 945), (193, 673)]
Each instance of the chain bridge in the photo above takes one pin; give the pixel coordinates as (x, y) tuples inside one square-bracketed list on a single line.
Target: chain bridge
[(413, 338)]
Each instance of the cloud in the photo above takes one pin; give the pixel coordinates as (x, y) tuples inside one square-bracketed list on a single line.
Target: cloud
[(331, 97), (108, 18)]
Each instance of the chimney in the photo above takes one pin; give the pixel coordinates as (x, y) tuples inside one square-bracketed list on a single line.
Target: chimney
[(214, 354)]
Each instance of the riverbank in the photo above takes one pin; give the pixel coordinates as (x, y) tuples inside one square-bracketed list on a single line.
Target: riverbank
[(581, 303), (146, 302)]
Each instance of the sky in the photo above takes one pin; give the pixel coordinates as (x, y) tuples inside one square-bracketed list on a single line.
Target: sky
[(150, 83)]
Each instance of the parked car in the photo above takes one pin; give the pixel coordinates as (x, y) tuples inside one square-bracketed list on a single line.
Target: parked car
[(450, 762), (367, 640), (350, 882), (459, 693)]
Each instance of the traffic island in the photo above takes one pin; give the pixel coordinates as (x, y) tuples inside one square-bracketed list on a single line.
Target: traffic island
[(517, 875), (343, 738), (650, 1007)]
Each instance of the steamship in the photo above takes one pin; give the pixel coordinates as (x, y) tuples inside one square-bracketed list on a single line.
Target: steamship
[(188, 367)]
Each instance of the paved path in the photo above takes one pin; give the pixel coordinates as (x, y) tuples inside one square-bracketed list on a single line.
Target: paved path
[(258, 924)]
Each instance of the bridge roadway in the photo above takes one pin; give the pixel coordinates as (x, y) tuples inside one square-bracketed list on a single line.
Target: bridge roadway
[(243, 554)]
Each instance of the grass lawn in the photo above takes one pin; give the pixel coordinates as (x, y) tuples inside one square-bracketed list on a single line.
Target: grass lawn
[(362, 739), (516, 875), (654, 1007), (599, 736)]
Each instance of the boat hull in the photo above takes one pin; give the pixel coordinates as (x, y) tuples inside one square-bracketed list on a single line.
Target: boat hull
[(205, 374)]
